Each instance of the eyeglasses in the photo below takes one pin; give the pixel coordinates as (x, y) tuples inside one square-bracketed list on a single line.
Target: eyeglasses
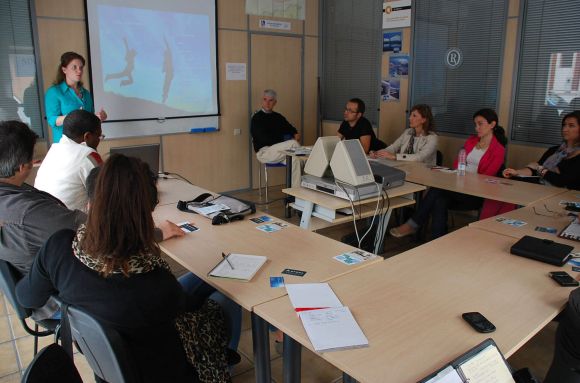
[(102, 137), (551, 213), (350, 110)]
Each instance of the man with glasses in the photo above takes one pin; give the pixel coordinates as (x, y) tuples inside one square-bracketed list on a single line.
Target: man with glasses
[(272, 134), (67, 164), (356, 127), (28, 216)]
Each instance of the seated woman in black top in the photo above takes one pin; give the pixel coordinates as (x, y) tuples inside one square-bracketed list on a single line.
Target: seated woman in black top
[(560, 165), (112, 269)]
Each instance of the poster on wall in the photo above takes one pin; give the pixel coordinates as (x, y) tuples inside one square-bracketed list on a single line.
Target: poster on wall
[(290, 9), (392, 41), (399, 65), (390, 89), (396, 14)]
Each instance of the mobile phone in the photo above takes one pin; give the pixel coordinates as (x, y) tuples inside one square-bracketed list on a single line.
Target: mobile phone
[(478, 322), (573, 206), (563, 278)]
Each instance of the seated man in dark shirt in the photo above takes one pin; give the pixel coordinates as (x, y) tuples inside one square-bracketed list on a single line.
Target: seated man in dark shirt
[(272, 134), (357, 127)]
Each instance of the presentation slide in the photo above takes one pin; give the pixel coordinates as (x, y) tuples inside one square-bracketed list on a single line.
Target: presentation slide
[(153, 60)]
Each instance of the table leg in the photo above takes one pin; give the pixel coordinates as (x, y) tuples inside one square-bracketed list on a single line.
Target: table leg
[(292, 360), (288, 184), (306, 215), (261, 344), (346, 378)]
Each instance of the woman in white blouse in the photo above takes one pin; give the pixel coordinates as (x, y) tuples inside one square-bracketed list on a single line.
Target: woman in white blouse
[(418, 143)]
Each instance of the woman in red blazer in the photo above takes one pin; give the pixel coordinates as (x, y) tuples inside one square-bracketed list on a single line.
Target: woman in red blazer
[(485, 155)]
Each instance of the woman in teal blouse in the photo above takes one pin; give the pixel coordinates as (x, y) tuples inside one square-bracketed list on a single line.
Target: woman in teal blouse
[(68, 94)]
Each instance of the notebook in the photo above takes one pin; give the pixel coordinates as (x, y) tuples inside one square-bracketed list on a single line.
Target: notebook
[(238, 266), (333, 329), (543, 250), (482, 364), (572, 231)]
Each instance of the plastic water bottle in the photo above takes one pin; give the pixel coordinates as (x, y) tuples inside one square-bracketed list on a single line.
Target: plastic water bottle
[(462, 163)]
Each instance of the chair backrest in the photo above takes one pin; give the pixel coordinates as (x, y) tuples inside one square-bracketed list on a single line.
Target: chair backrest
[(9, 277), (103, 347), (52, 364)]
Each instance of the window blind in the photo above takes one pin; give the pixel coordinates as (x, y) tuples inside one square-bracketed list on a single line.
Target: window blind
[(548, 80), (351, 56), (19, 96), (457, 51)]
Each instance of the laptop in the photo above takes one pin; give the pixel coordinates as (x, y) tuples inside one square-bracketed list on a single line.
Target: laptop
[(146, 153)]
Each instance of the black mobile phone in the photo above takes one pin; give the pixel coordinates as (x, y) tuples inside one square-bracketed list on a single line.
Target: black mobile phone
[(563, 278), (573, 206), (478, 322)]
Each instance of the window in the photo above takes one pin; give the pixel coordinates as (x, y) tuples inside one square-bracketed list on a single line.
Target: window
[(548, 81), (351, 55), (457, 51), (19, 98)]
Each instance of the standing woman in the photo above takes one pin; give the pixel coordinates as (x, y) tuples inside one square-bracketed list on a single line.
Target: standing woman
[(485, 155), (67, 93), (560, 165), (418, 143)]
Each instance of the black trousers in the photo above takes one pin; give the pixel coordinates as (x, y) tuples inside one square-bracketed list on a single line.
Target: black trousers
[(437, 203)]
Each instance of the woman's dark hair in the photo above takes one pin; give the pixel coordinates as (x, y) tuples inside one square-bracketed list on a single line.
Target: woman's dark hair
[(65, 59), (119, 223), (575, 114), (425, 111), (490, 116)]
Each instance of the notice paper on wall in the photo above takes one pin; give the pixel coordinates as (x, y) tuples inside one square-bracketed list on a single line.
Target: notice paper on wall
[(236, 71)]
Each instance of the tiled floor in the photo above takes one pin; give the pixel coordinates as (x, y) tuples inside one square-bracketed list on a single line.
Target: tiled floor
[(16, 347)]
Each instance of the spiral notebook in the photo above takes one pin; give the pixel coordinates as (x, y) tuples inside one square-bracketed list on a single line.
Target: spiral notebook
[(572, 231)]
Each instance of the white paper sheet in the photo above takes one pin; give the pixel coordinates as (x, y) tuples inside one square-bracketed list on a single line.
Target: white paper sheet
[(333, 329), (305, 296)]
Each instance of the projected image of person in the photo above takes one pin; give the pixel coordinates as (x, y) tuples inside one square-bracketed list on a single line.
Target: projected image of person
[(68, 94), (167, 69), (128, 71)]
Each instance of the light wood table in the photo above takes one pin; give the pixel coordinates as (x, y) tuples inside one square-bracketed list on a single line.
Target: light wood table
[(409, 306), (547, 213), (479, 185), (290, 247), (320, 210), (172, 190)]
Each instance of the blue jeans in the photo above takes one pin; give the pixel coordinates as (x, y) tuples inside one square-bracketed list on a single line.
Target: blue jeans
[(193, 285), (436, 204)]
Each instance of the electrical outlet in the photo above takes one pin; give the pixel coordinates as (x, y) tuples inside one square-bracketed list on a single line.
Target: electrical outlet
[(237, 132)]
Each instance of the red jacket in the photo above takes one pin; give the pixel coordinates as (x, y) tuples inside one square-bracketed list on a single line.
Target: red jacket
[(489, 165)]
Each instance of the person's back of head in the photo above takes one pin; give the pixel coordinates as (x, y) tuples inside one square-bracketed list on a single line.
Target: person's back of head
[(79, 122), (360, 104), (119, 223), (16, 147), (491, 116)]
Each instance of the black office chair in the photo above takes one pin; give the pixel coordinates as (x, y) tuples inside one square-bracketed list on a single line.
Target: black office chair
[(102, 346), (52, 364), (9, 277)]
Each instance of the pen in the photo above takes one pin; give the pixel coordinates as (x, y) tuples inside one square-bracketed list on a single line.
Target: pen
[(227, 260)]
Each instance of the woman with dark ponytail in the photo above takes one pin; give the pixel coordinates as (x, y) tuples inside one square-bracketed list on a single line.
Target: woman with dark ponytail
[(485, 153)]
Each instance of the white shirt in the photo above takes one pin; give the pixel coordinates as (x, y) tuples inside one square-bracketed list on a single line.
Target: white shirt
[(64, 171), (473, 159)]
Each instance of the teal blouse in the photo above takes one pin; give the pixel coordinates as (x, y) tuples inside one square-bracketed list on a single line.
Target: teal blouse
[(60, 100)]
